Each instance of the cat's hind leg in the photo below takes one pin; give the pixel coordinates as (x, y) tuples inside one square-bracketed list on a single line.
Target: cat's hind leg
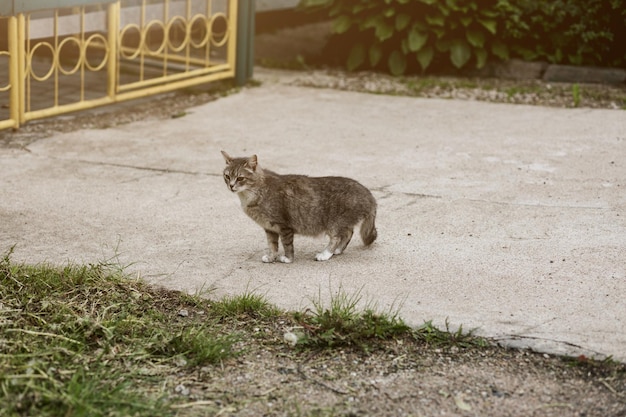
[(272, 246), (345, 235), (330, 249)]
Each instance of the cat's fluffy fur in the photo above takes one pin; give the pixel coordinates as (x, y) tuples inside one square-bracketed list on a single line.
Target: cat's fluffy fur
[(284, 205)]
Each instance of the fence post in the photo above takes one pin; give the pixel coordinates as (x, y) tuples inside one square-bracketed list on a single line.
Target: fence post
[(113, 28), (16, 80), (245, 41)]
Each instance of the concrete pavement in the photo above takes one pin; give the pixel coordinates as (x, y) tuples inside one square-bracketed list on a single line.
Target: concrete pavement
[(505, 218)]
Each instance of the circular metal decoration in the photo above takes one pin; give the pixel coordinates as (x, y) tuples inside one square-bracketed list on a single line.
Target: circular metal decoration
[(157, 24), (31, 70), (177, 23), (91, 40), (128, 31), (67, 43), (7, 86), (199, 25), (218, 28)]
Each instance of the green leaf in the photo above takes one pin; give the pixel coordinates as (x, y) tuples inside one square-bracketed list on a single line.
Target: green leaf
[(558, 56), (389, 12), (490, 25), (481, 57), (375, 54), (421, 26), (402, 21), (466, 20), (335, 9), (384, 30), (435, 20), (397, 63), (500, 50), (443, 45), (460, 52), (489, 13), (417, 39), (425, 56), (356, 57), (452, 4), (475, 37), (342, 24), (404, 45), (440, 32), (370, 21)]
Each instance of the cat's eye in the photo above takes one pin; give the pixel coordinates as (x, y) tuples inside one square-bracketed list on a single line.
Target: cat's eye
[(226, 177), (241, 179)]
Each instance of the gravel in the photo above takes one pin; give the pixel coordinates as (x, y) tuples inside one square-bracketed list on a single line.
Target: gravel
[(404, 377)]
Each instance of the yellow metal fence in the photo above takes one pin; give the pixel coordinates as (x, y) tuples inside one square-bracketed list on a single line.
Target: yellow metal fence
[(61, 60)]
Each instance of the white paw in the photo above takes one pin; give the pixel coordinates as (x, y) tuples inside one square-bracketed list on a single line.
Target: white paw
[(284, 259), (337, 251), (268, 259), (324, 255)]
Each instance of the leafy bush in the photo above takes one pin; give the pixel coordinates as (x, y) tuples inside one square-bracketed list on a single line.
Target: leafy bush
[(402, 36), (578, 32)]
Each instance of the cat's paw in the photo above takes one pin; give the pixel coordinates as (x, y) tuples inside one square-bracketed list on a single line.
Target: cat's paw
[(324, 255), (284, 259), (268, 259)]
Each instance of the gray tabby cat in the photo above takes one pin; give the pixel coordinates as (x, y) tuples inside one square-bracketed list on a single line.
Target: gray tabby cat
[(284, 205)]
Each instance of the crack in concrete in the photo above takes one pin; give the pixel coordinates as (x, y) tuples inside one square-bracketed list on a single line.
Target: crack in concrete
[(129, 166), (520, 337), (387, 193), (538, 205)]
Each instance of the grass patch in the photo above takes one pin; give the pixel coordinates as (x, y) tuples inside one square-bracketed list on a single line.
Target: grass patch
[(86, 340), (90, 341), (248, 304), (344, 323)]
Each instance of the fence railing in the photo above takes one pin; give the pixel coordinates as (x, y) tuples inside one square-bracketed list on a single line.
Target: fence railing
[(63, 59)]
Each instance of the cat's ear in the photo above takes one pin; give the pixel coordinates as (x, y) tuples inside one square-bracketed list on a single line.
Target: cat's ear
[(252, 162), (227, 157)]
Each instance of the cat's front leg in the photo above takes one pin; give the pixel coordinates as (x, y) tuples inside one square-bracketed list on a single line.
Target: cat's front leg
[(286, 236), (272, 245)]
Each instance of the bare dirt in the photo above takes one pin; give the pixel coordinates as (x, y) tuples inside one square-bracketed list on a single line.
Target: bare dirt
[(404, 377)]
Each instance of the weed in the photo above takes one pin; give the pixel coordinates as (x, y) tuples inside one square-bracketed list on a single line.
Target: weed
[(343, 324), (607, 367), (576, 94), (248, 304), (445, 338), (197, 345)]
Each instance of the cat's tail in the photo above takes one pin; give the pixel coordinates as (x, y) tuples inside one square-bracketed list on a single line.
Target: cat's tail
[(368, 229)]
